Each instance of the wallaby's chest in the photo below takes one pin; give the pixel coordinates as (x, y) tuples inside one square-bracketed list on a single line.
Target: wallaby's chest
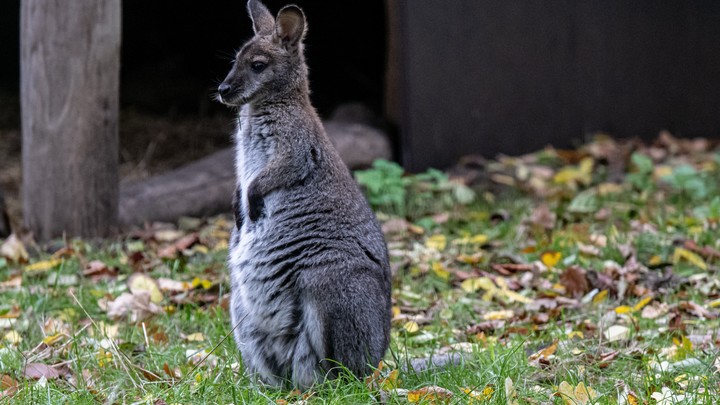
[(255, 147)]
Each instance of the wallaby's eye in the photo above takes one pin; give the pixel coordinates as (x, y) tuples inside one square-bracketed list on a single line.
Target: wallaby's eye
[(258, 66)]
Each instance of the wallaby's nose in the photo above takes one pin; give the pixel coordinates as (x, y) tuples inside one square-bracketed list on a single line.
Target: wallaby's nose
[(224, 89)]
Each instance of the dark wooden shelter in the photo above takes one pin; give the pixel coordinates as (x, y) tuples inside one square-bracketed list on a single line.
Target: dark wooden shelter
[(488, 77)]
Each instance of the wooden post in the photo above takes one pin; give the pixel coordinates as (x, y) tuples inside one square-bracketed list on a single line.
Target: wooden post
[(70, 62)]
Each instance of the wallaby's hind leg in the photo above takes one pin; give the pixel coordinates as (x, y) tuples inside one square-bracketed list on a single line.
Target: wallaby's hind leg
[(356, 324)]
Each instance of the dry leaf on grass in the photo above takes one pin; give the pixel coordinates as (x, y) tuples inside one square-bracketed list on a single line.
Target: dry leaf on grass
[(135, 307)]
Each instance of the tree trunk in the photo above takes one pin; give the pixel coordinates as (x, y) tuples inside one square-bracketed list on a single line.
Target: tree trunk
[(70, 62)]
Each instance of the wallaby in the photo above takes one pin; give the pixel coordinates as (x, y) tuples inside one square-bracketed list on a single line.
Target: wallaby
[(309, 268)]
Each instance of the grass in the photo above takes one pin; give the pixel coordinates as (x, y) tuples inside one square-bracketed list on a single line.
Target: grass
[(528, 281)]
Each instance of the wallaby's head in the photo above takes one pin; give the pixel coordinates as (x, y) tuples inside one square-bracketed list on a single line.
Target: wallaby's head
[(271, 64)]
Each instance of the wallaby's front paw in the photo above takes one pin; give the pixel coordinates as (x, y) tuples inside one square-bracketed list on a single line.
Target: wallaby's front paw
[(236, 208), (256, 204)]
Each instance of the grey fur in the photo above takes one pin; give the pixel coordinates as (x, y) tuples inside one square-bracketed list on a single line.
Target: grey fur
[(308, 261)]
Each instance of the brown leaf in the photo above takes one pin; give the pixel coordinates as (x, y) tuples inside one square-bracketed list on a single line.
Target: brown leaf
[(543, 217), (13, 283), (697, 310), (574, 281), (507, 269), (706, 251), (606, 358), (39, 370), (8, 386), (96, 270), (174, 374), (544, 353)]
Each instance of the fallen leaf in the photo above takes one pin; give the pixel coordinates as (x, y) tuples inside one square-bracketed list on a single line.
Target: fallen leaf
[(578, 395), (14, 250), (13, 283), (498, 315), (204, 283), (641, 304), (43, 266), (141, 282), (97, 270), (480, 396), (173, 286), (411, 326), (436, 242), (195, 337), (544, 353), (136, 306), (440, 271), (697, 310), (13, 338), (574, 279), (550, 258), (667, 397), (616, 332), (681, 254), (8, 386), (37, 371), (432, 394), (510, 392), (473, 284)]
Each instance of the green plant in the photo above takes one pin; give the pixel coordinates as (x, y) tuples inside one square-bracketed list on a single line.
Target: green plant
[(390, 189)]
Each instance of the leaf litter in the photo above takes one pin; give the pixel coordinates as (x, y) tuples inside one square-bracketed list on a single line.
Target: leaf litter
[(598, 266)]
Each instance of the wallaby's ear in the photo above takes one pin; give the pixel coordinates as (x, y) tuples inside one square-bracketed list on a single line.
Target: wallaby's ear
[(290, 26), (263, 21)]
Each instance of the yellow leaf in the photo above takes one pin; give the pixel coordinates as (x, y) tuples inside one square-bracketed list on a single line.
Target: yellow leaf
[(609, 188), (204, 283), (550, 258), (473, 284), (13, 337), (584, 394), (42, 266), (600, 297), (411, 326), (390, 382), (640, 305), (498, 315), (714, 303), (662, 171), (479, 396), (513, 296), (579, 395), (143, 282), (566, 393), (395, 311), (654, 260), (576, 333), (432, 394), (52, 339), (623, 309), (195, 337), (470, 259), (440, 271), (436, 242), (478, 239), (684, 254)]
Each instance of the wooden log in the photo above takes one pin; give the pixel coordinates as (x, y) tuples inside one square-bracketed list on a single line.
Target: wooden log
[(198, 189), (70, 62), (205, 187)]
